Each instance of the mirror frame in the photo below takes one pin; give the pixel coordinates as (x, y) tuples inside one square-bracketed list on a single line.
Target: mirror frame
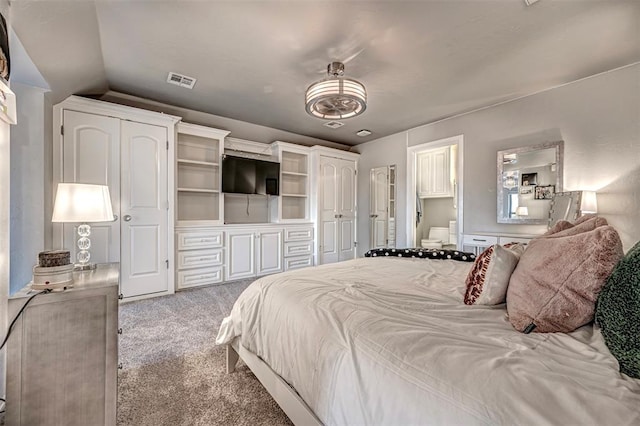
[(572, 200), (559, 146)]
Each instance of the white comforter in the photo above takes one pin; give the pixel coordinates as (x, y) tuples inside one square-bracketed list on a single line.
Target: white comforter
[(388, 341)]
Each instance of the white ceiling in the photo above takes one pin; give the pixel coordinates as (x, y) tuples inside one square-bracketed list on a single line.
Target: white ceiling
[(420, 61)]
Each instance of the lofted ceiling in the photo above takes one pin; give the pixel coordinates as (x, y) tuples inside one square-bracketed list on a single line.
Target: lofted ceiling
[(420, 61)]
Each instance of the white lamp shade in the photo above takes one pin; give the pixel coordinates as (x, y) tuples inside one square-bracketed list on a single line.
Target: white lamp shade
[(588, 202), (522, 211), (79, 202)]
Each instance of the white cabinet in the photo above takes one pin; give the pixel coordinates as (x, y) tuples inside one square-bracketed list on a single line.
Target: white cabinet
[(200, 257), (129, 150), (434, 173), (252, 252), (198, 174), (477, 243), (298, 247), (336, 206)]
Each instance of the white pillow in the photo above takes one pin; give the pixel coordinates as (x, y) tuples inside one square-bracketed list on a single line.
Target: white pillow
[(488, 279)]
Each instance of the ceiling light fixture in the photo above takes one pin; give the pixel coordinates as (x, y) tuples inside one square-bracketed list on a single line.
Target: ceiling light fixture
[(336, 97)]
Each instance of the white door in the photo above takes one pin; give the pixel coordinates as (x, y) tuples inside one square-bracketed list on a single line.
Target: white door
[(379, 206), (329, 198), (347, 209), (337, 194), (241, 254), (143, 209), (91, 154), (269, 255)]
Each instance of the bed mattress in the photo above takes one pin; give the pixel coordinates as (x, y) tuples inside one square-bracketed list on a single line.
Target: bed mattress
[(389, 341)]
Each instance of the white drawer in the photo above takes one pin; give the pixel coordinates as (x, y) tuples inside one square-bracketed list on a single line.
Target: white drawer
[(298, 249), (479, 240), (196, 277), (199, 258), (298, 234), (297, 262), (202, 239)]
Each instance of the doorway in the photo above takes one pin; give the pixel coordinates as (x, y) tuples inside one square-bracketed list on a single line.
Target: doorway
[(435, 193)]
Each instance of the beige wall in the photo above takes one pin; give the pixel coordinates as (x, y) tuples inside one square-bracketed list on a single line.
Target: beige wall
[(599, 120)]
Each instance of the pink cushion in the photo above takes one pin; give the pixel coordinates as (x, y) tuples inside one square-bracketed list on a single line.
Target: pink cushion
[(557, 280), (488, 279)]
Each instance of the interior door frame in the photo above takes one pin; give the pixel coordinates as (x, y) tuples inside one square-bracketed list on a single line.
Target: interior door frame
[(412, 153)]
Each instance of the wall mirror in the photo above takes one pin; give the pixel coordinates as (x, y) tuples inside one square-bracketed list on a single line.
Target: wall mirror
[(382, 217), (528, 178)]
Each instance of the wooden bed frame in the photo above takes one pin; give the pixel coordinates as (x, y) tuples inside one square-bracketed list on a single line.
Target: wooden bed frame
[(287, 398)]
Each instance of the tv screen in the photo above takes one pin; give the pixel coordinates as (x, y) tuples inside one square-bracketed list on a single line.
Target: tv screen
[(249, 176)]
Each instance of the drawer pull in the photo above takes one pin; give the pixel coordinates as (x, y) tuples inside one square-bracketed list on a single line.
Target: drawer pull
[(479, 239)]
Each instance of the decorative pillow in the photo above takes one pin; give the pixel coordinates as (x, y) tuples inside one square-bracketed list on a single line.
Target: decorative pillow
[(618, 312), (488, 279), (422, 253), (585, 223), (556, 283)]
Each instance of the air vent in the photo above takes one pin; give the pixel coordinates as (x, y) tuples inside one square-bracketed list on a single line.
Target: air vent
[(333, 124), (181, 80), (364, 132)]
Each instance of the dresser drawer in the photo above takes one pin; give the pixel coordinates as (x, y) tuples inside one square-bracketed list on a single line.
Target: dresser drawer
[(199, 258), (479, 240), (297, 262), (201, 239), (202, 276), (298, 249), (298, 233)]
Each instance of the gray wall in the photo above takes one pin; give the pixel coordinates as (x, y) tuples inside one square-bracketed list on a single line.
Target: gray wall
[(27, 183), (435, 212), (599, 120)]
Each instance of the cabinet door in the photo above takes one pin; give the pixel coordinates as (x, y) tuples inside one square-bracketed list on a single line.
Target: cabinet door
[(423, 167), (241, 255), (440, 175), (329, 196), (91, 154), (269, 254), (144, 209), (347, 211)]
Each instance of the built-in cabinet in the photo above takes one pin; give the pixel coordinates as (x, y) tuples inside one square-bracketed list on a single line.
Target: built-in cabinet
[(434, 173), (253, 252), (130, 150), (336, 205), (293, 203)]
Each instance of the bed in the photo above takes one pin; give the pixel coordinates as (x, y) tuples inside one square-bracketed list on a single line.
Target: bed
[(389, 341)]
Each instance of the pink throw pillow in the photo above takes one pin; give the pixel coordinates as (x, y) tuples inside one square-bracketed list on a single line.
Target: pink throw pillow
[(556, 283)]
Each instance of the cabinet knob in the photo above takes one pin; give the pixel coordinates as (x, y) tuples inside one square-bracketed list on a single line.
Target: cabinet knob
[(120, 331), (121, 296), (120, 366), (127, 218)]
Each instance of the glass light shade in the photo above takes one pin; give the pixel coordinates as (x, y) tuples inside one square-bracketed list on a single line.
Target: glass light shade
[(522, 211), (588, 202), (336, 98), (79, 202)]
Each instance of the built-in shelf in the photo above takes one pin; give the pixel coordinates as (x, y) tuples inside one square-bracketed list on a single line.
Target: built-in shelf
[(198, 163), (202, 190)]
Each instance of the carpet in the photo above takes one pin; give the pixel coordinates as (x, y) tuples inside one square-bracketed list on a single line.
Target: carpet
[(173, 374)]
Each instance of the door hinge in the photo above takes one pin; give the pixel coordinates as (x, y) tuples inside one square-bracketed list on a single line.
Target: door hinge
[(355, 244), (167, 262), (62, 130), (167, 145)]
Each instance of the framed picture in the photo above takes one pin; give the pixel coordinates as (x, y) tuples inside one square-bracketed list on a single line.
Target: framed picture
[(525, 190), (5, 62), (545, 192), (529, 179)]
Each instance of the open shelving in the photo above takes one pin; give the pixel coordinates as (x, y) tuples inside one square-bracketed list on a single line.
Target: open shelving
[(294, 183)]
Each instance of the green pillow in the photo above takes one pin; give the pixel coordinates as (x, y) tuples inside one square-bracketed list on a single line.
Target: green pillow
[(618, 312)]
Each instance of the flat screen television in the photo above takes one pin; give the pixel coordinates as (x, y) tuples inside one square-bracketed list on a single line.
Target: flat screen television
[(250, 176)]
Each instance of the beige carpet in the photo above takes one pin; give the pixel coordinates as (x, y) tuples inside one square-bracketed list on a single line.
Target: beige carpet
[(173, 374)]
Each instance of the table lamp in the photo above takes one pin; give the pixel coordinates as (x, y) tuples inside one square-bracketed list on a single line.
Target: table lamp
[(82, 203), (588, 202), (522, 211)]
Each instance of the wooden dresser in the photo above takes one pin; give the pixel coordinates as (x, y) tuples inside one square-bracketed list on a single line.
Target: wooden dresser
[(63, 353)]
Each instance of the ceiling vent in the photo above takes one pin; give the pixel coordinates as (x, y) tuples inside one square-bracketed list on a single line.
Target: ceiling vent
[(364, 132), (333, 124), (181, 80)]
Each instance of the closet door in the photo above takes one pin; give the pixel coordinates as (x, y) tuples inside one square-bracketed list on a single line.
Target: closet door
[(329, 197), (379, 202), (144, 209), (347, 209), (91, 154)]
